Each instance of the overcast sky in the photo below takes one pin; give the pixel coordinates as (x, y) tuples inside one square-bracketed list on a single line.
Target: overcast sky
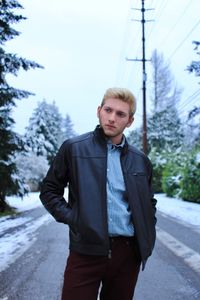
[(83, 46)]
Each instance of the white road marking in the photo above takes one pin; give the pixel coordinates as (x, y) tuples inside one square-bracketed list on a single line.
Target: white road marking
[(190, 257)]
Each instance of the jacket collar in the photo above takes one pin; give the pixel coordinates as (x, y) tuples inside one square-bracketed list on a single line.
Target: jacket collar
[(99, 134)]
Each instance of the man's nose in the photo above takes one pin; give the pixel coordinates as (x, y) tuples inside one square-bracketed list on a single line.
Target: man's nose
[(112, 117)]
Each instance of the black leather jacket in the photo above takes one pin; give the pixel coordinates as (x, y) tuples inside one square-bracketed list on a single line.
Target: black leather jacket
[(81, 165)]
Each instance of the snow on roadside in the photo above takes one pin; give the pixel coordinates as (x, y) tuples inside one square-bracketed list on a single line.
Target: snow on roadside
[(28, 202), (184, 211), (14, 244)]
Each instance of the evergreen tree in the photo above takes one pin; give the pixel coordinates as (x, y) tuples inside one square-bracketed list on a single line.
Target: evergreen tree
[(44, 133), (194, 67), (68, 131), (165, 130), (10, 142), (192, 131), (135, 138)]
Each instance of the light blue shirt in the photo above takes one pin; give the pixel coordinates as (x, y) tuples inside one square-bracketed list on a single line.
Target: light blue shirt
[(119, 215)]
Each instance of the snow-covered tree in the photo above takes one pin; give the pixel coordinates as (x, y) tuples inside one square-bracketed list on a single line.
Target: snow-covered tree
[(192, 128), (43, 135), (164, 91), (164, 125), (135, 138), (10, 142), (68, 131), (32, 169), (193, 121), (194, 67), (165, 130)]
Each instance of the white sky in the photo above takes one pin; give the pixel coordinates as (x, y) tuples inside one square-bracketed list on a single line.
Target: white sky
[(83, 46), (13, 245)]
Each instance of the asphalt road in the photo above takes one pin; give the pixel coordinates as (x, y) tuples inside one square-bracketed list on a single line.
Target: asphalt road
[(38, 273)]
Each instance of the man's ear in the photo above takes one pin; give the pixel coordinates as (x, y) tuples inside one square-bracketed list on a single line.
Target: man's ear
[(98, 111), (130, 122)]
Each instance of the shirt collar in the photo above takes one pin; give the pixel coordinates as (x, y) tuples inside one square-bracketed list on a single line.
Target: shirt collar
[(119, 146)]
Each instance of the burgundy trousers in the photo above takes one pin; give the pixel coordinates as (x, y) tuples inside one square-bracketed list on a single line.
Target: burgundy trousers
[(112, 278)]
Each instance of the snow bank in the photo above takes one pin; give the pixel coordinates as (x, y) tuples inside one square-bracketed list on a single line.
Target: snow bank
[(28, 202), (185, 211)]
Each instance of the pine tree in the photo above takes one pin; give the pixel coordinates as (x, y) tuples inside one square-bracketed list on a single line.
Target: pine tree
[(194, 66), (10, 142), (68, 131), (165, 130), (135, 138), (44, 133), (192, 131)]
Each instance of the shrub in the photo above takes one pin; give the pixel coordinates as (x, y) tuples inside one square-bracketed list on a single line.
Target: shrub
[(171, 178), (158, 162), (190, 183)]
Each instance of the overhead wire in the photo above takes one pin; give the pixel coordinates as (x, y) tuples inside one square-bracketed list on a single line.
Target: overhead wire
[(126, 49), (191, 99), (183, 41), (160, 10), (138, 51), (163, 41), (159, 13), (194, 97)]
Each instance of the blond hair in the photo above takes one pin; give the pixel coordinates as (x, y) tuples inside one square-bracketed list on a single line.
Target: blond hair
[(123, 94)]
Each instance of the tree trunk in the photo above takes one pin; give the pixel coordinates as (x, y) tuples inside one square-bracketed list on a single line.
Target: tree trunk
[(4, 206)]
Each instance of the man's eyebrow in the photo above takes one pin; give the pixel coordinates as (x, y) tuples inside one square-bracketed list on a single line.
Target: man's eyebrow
[(121, 112), (106, 106)]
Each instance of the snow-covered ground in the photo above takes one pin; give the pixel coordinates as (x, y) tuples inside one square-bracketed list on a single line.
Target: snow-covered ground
[(14, 244), (29, 201), (184, 211)]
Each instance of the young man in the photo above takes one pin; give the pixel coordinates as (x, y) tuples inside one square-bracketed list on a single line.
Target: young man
[(110, 208)]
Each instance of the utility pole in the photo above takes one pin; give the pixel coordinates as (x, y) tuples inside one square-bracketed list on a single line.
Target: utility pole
[(144, 76)]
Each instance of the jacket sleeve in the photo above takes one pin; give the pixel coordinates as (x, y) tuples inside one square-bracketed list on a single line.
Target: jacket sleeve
[(53, 185)]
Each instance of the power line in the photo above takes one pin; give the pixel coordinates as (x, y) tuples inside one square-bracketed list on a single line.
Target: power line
[(182, 42), (160, 8), (188, 101), (176, 23)]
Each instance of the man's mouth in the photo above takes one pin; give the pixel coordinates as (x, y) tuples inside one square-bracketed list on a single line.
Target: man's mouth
[(110, 126)]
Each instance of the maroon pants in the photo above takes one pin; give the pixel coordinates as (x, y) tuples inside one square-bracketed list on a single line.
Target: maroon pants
[(113, 278)]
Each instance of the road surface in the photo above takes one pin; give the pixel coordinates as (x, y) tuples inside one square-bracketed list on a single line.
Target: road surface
[(173, 271)]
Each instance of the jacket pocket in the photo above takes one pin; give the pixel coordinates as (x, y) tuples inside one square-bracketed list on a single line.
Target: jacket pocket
[(139, 174)]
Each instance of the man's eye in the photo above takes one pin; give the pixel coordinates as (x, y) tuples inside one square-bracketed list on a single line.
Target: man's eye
[(107, 109), (121, 114)]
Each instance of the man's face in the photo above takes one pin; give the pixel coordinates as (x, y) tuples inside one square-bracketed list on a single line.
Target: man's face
[(114, 117)]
